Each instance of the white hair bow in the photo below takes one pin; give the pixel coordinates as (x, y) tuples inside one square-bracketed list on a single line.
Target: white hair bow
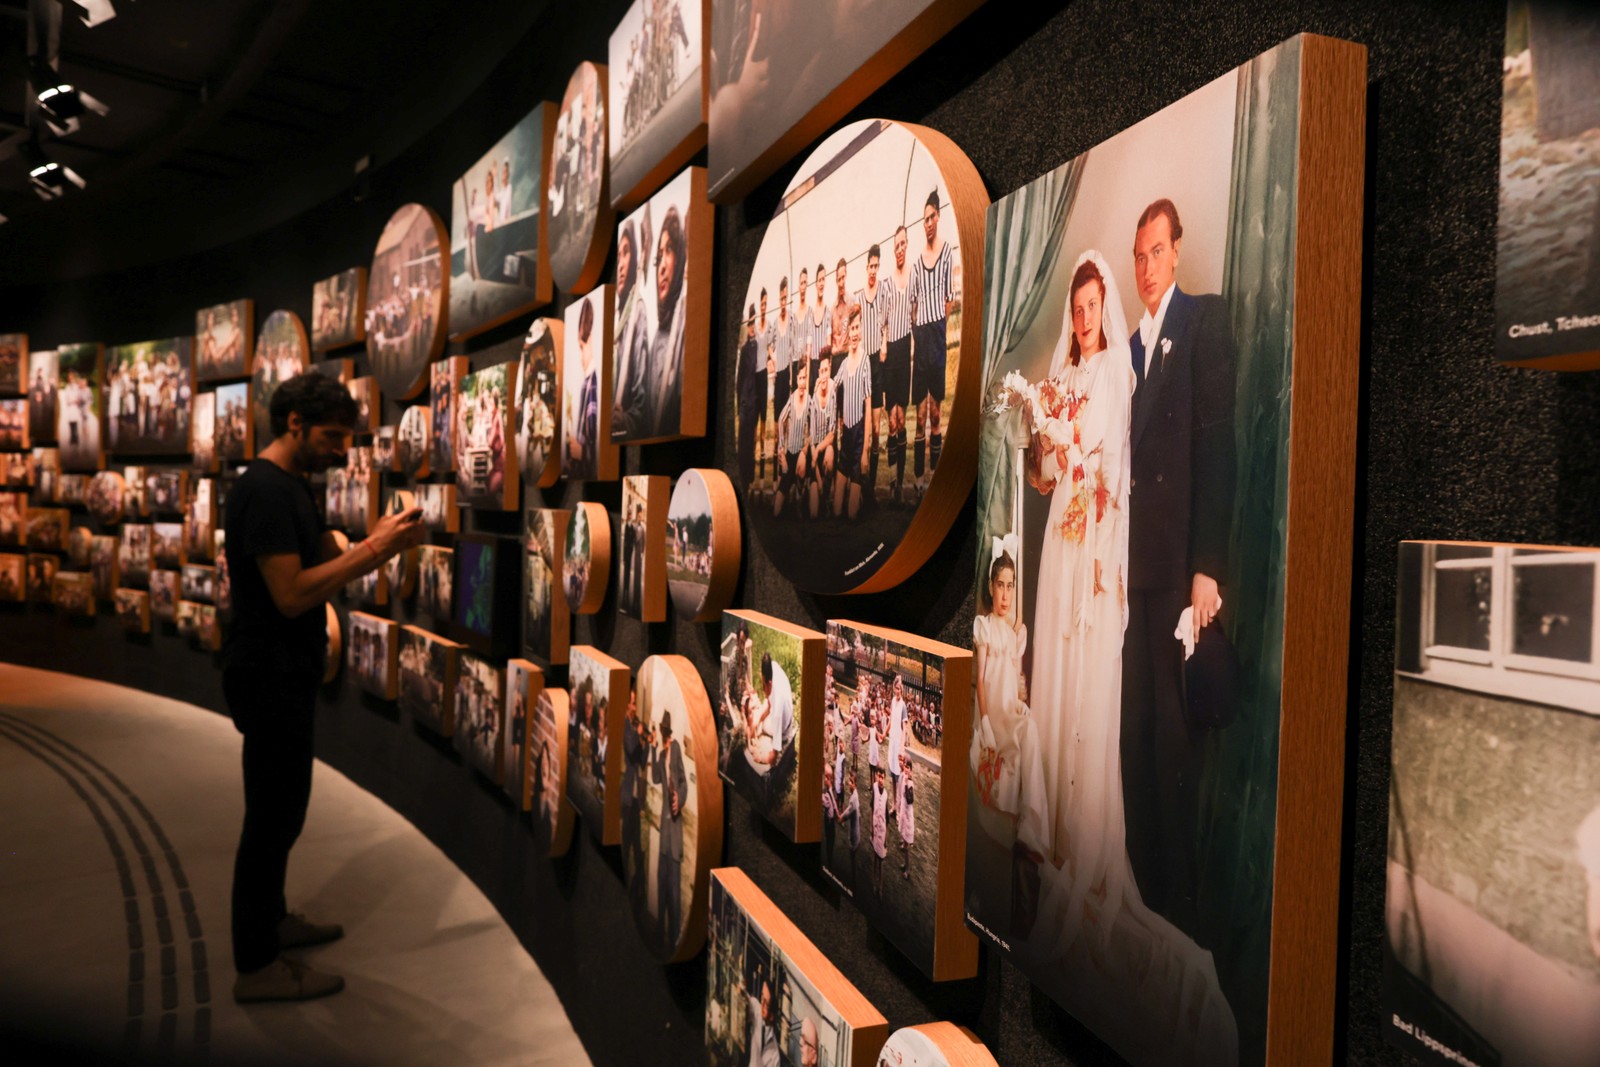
[(1001, 545)]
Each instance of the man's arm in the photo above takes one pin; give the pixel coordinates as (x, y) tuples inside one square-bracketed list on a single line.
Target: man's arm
[(1212, 456), (297, 589)]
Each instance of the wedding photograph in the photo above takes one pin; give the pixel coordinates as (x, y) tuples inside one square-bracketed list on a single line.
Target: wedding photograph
[(80, 410), (597, 770), (486, 465), (224, 336), (43, 395), (547, 773), (498, 269), (587, 452), (282, 351), (406, 293), (480, 714), (372, 646), (586, 565), (539, 403), (654, 67), (339, 310), (434, 564), (149, 393), (579, 220), (546, 619), (427, 669)]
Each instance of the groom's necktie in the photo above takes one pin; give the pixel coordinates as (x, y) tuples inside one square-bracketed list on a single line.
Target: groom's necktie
[(1138, 357)]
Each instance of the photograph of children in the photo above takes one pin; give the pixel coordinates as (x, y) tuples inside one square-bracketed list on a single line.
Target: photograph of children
[(433, 581), (763, 1006), (547, 773), (1547, 272), (383, 449), (78, 538), (598, 689), (73, 593), (166, 545), (13, 363), (149, 393), (586, 566), (107, 499), (427, 669), (883, 803), (41, 576), (480, 714), (486, 469), (848, 357), (444, 379), (16, 469), (663, 306), (164, 594), (43, 395), (1493, 902), (660, 868), (642, 567), (200, 520), (203, 447), (133, 553), (524, 682), (133, 609), (224, 339), (369, 410), (47, 529), (281, 353), (103, 565), (135, 492), (14, 425), (577, 173), (235, 442), (495, 273), (406, 293), (339, 310), (764, 698), (588, 453), (1121, 281), (166, 490), (655, 87), (78, 415), (13, 577), (440, 513), (411, 443), (372, 647), (198, 582), (546, 619), (13, 520), (539, 403)]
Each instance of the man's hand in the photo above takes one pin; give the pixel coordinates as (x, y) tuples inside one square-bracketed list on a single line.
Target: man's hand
[(397, 533), (1205, 599)]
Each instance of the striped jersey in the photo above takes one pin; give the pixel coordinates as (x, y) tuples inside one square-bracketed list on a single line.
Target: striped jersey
[(930, 286), (781, 335), (871, 320), (824, 414), (894, 307), (792, 427), (855, 387)]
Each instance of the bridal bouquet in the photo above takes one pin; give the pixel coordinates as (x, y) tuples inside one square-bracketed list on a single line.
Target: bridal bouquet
[(1053, 410)]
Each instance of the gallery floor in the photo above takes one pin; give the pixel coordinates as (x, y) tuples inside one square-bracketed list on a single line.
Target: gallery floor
[(119, 813)]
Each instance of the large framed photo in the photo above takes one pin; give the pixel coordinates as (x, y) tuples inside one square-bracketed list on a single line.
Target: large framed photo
[(282, 352), (605, 778), (339, 310), (546, 619), (80, 407), (782, 73), (642, 569), (769, 719), (149, 394), (856, 369), (480, 714), (657, 73), (893, 805), (484, 439), (1154, 832), (499, 260), (427, 666), (578, 207), (407, 294), (587, 451), (223, 336), (373, 647), (539, 403), (1547, 270), (773, 997), (662, 322), (1493, 874)]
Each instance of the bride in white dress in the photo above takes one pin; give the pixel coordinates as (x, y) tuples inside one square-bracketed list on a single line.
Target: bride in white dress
[(1137, 978)]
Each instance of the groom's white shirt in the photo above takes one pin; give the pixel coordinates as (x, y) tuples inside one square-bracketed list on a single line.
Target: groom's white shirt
[(1150, 326)]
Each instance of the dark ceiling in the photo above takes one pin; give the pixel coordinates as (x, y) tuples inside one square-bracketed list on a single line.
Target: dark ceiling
[(218, 103)]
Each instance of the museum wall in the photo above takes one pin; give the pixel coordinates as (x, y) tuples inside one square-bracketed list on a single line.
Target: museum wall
[(1449, 446)]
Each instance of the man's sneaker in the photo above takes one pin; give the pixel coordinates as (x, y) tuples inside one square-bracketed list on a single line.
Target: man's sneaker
[(285, 979), (296, 931)]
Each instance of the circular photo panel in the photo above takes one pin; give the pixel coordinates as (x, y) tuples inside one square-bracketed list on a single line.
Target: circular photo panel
[(547, 772), (578, 207), (282, 351), (857, 359), (702, 543), (587, 564), (108, 497), (330, 666), (401, 569), (80, 541), (935, 1045), (669, 853), (411, 442), (407, 292), (539, 403)]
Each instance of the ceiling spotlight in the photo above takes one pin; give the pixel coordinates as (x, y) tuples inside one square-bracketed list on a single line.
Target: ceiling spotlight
[(49, 178), (98, 11), (61, 102)]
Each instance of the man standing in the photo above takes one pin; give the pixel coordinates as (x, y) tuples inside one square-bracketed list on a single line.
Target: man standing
[(285, 565), (793, 443), (839, 329), (820, 325), (633, 768), (897, 741), (750, 381), (780, 340), (872, 343), (932, 295), (1180, 512), (667, 772), (896, 314)]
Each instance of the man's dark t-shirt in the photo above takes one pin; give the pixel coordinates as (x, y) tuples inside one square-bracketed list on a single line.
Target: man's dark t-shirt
[(271, 512)]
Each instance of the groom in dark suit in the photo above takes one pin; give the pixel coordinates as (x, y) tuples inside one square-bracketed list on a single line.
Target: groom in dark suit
[(1180, 512)]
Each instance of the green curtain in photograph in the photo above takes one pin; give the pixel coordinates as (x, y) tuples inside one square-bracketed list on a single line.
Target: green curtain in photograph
[(1239, 795)]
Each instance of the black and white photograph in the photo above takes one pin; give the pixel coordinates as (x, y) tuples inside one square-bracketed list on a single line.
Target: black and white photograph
[(656, 91), (338, 310), (587, 453), (406, 291), (427, 670), (80, 407), (480, 714), (579, 219), (224, 338), (539, 403)]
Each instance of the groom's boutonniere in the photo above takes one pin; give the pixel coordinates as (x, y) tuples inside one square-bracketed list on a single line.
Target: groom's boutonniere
[(1166, 350)]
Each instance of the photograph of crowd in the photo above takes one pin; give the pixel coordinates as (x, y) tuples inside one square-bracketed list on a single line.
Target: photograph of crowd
[(41, 576), (547, 773), (166, 545), (438, 503), (73, 593), (235, 441), (339, 310), (43, 395), (848, 356), (149, 392), (642, 568), (486, 470), (546, 620), (524, 681), (47, 529), (79, 413), (494, 231), (586, 565), (657, 104), (588, 453), (164, 595), (372, 647), (411, 443), (598, 689), (663, 305), (480, 714), (763, 698), (427, 669), (13, 577), (132, 608), (133, 553), (444, 378), (224, 337), (14, 425), (405, 301), (203, 445), (579, 219), (107, 498), (693, 540), (433, 581), (539, 403), (281, 353), (13, 363), (13, 520)]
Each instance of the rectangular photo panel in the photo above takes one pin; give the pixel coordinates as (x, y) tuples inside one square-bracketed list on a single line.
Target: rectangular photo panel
[(235, 429), (14, 426), (642, 562), (369, 408), (604, 776), (225, 341), (164, 595), (13, 363), (203, 441), (13, 577), (44, 395), (486, 578), (74, 489), (186, 618), (200, 520), (1493, 873), (133, 554), (80, 407), (440, 512), (1153, 832), (480, 715), (662, 323), (13, 520), (372, 650), (772, 996), (42, 569), (72, 593), (166, 545), (656, 78), (486, 458), (198, 582), (769, 719), (499, 259), (16, 469), (104, 566), (524, 683), (149, 397), (435, 572), (339, 310), (47, 529), (208, 628), (136, 492), (132, 608), (444, 379), (166, 490), (546, 618), (427, 668), (587, 451)]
